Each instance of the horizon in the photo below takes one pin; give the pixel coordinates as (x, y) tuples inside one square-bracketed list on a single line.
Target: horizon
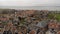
[(54, 8)]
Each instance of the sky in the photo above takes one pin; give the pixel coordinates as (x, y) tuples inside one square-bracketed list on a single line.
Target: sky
[(29, 2)]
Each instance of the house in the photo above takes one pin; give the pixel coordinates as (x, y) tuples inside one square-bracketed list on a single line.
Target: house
[(58, 32), (53, 27), (32, 32), (19, 32), (42, 24)]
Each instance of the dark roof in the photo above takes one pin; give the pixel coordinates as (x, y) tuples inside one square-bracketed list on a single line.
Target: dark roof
[(42, 23)]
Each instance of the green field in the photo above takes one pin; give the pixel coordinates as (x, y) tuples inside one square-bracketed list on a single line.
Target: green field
[(54, 16)]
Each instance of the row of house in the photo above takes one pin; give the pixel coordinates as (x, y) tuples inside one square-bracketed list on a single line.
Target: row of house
[(28, 22)]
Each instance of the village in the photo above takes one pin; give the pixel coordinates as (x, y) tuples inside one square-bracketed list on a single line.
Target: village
[(29, 22)]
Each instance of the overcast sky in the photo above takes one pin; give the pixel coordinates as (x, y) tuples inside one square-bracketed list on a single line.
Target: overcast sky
[(29, 2)]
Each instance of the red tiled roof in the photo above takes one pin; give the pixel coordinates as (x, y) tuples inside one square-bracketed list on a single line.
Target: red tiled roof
[(53, 25), (32, 32), (58, 32)]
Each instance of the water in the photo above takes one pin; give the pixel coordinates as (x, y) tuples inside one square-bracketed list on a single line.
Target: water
[(32, 7)]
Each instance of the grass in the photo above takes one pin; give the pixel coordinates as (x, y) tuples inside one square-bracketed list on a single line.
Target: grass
[(54, 15), (57, 17)]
